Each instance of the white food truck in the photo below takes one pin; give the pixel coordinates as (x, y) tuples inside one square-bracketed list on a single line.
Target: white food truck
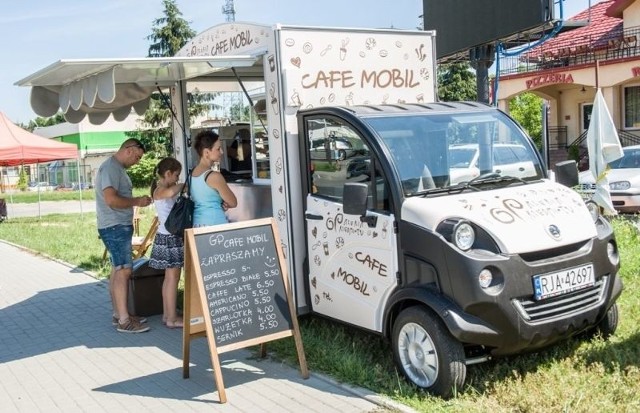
[(385, 225)]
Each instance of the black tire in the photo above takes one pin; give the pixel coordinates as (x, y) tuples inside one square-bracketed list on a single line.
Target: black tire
[(427, 354), (342, 154), (609, 324)]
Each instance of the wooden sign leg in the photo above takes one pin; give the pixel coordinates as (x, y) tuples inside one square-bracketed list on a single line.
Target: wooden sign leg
[(186, 317), (217, 375), (304, 370)]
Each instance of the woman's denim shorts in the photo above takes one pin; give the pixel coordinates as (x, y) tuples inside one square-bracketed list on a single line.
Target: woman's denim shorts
[(117, 239)]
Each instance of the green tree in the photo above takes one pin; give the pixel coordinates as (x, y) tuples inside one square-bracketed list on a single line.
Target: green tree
[(168, 35), (170, 32), (239, 112), (526, 109), (40, 122), (456, 81)]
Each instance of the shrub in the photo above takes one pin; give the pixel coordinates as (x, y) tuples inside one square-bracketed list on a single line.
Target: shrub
[(22, 179), (141, 174)]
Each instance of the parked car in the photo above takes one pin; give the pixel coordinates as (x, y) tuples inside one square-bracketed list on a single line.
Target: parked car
[(42, 186), (331, 148), (624, 181), (508, 159)]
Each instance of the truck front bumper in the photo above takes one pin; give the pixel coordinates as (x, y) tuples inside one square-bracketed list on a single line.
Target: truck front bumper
[(505, 317), (522, 322)]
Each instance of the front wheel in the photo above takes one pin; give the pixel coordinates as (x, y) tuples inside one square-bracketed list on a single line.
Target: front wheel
[(426, 353), (609, 324)]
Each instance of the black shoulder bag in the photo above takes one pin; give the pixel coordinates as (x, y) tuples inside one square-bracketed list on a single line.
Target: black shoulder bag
[(181, 215)]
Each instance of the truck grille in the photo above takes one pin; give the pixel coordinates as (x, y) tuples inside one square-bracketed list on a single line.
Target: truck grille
[(577, 301), (565, 251)]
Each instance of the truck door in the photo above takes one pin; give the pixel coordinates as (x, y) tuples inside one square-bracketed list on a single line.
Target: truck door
[(352, 266)]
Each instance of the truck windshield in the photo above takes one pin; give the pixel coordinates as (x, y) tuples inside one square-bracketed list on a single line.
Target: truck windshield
[(440, 150)]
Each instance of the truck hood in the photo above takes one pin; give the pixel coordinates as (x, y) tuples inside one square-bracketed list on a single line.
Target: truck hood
[(526, 218)]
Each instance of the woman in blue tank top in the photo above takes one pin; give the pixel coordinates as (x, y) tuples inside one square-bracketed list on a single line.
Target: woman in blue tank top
[(209, 191)]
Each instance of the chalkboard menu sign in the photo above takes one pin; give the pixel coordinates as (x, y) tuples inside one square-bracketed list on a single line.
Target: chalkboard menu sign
[(237, 291), (243, 284)]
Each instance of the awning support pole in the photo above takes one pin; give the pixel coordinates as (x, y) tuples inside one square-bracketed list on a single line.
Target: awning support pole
[(181, 110), (233, 69)]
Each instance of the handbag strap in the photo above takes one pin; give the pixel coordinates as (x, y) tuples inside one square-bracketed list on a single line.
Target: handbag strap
[(188, 183), (187, 186)]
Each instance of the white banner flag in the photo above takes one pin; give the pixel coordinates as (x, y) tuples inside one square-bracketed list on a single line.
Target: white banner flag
[(604, 146)]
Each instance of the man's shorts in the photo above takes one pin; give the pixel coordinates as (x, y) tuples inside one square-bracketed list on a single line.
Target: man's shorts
[(117, 239)]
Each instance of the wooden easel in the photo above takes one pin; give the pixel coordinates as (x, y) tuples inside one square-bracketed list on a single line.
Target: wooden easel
[(199, 323)]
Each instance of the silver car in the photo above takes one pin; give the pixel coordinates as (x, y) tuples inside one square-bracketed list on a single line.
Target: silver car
[(508, 159), (624, 181), (332, 148)]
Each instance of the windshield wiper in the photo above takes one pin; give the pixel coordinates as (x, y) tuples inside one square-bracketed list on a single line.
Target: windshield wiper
[(474, 184), (489, 178)]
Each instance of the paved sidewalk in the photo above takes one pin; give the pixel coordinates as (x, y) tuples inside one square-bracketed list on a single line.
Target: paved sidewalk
[(59, 353)]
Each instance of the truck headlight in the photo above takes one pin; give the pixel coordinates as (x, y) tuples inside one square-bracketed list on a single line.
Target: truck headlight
[(620, 185), (594, 210), (463, 235)]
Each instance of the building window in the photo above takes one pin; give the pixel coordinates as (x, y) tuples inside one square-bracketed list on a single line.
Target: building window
[(632, 107)]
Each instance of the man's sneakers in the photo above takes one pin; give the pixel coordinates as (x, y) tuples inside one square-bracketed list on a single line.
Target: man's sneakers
[(132, 325), (115, 321)]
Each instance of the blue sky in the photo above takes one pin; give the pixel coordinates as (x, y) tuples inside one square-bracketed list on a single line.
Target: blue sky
[(36, 33)]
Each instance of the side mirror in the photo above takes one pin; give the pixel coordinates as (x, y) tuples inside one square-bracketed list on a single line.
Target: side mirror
[(567, 173), (355, 201)]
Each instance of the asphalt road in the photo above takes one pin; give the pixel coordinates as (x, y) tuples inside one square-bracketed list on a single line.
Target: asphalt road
[(48, 207)]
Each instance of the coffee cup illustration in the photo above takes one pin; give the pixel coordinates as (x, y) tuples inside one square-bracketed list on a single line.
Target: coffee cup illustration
[(348, 100), (274, 99), (343, 48), (272, 63), (295, 99)]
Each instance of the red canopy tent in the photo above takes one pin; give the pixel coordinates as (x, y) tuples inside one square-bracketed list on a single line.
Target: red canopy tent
[(18, 146)]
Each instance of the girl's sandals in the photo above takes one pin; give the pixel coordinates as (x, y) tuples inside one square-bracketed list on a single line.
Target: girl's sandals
[(173, 324), (164, 320)]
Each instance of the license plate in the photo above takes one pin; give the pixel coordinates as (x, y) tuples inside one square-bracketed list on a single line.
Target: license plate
[(562, 282)]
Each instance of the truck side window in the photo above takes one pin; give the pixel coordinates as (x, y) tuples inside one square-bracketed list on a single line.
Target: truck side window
[(338, 155)]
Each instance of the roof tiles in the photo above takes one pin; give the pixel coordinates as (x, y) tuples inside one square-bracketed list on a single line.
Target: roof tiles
[(595, 35)]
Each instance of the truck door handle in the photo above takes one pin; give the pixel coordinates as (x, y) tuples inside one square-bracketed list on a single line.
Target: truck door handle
[(314, 216)]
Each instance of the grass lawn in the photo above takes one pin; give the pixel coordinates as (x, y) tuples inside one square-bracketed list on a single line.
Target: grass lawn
[(575, 376)]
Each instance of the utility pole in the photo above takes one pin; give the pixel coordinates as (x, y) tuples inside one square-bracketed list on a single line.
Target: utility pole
[(229, 11), (481, 59), (230, 99)]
